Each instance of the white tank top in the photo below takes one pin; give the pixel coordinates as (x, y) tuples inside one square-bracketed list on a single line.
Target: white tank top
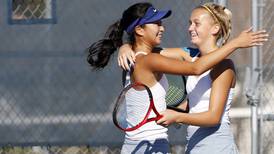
[(199, 89), (151, 130)]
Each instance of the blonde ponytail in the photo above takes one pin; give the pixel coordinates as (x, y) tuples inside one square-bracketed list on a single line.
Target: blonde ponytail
[(229, 25)]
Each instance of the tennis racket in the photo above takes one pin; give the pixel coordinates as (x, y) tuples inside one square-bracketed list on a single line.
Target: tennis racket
[(133, 107), (176, 93)]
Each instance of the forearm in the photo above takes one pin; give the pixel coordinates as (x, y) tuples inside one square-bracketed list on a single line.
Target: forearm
[(208, 61), (204, 119), (175, 53)]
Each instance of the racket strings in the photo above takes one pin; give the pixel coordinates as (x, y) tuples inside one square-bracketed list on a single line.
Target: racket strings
[(175, 95), (134, 105)]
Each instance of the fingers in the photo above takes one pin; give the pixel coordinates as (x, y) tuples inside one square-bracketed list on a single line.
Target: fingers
[(259, 40), (132, 55), (165, 120), (123, 61), (160, 121), (261, 32), (248, 38), (119, 63), (257, 44), (259, 37)]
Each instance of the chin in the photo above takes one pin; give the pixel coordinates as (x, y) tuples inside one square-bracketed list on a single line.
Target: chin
[(194, 42), (157, 43)]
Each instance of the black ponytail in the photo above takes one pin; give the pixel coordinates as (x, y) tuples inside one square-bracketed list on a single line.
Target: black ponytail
[(100, 52)]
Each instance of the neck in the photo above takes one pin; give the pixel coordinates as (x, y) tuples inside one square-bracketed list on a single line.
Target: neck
[(142, 46), (207, 48), (138, 48)]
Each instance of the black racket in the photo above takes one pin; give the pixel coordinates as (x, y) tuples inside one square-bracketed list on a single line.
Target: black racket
[(176, 93), (133, 107)]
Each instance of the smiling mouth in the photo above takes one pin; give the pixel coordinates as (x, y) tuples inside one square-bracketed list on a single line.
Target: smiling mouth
[(193, 34), (160, 35)]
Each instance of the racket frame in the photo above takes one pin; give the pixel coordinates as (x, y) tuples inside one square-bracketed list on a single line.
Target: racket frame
[(146, 119)]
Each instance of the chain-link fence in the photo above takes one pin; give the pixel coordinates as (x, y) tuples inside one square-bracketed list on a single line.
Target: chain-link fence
[(49, 97), (266, 106), (35, 9), (32, 11), (48, 94)]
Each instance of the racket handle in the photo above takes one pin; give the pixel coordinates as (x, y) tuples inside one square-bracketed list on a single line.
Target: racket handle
[(176, 109)]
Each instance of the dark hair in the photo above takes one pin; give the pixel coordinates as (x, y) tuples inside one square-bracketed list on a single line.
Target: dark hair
[(100, 52)]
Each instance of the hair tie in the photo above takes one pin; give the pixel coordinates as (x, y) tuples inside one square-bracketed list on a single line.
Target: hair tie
[(214, 16)]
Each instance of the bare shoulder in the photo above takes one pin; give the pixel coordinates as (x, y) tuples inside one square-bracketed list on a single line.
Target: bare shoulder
[(226, 63), (143, 61), (155, 60), (225, 67), (151, 57)]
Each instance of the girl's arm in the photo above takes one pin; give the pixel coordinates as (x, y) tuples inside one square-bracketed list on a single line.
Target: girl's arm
[(244, 40), (176, 53), (171, 66), (223, 78), (126, 55)]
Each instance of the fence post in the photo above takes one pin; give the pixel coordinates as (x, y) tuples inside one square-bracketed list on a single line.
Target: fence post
[(253, 93)]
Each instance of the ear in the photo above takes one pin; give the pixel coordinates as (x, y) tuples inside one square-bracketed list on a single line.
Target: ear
[(139, 30), (215, 29)]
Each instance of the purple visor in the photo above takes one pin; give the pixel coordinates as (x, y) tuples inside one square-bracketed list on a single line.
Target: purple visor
[(151, 15)]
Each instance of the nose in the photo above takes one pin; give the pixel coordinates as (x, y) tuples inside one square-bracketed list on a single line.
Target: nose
[(162, 28), (191, 27)]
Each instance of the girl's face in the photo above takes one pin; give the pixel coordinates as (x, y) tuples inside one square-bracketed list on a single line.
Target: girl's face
[(201, 27), (153, 33)]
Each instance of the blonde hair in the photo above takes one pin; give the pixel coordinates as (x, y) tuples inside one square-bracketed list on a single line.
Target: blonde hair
[(222, 16)]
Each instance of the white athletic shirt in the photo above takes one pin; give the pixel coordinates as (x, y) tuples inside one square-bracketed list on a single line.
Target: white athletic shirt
[(151, 130), (199, 89)]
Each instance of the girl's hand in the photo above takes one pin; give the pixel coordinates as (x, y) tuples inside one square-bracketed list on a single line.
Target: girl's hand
[(126, 56), (247, 38), (169, 117)]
